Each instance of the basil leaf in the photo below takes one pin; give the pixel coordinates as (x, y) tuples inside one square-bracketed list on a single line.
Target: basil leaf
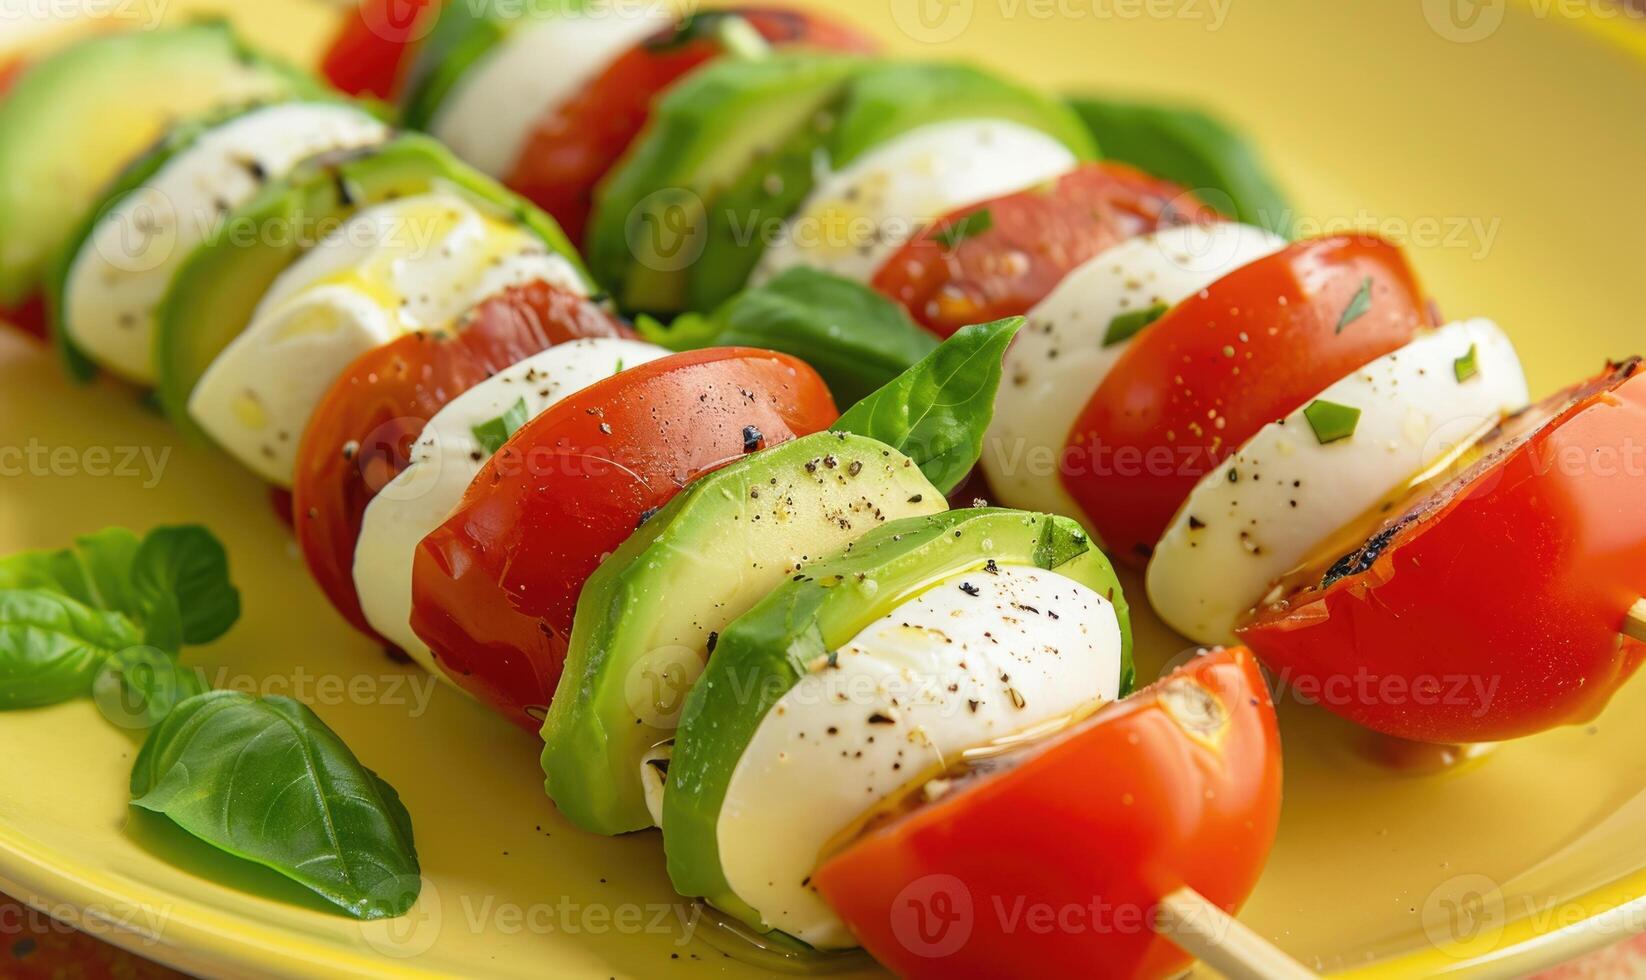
[(96, 572), (1330, 421), (968, 226), (1359, 303), (183, 572), (1125, 326), (52, 645), (266, 780), (138, 687), (937, 411), (857, 339), (493, 433), (1190, 148)]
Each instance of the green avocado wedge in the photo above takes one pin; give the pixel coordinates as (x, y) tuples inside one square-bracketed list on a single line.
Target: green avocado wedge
[(177, 140), (217, 291), (736, 149), (1191, 148), (791, 632), (75, 118), (649, 224), (649, 616)]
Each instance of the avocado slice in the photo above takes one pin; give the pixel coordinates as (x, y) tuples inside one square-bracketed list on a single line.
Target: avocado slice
[(648, 617), (218, 289), (463, 35), (705, 133), (701, 232), (73, 120), (177, 140), (765, 652)]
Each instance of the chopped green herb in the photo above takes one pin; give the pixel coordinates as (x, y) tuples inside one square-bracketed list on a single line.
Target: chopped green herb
[(1468, 365), (619, 368), (1359, 303), (1331, 421), (971, 225), (493, 433), (1125, 326)]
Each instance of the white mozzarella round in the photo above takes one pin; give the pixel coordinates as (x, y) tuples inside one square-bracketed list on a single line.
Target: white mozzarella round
[(1071, 341), (122, 272), (1285, 492), (446, 458), (858, 216), (408, 265), (490, 114), (976, 658)]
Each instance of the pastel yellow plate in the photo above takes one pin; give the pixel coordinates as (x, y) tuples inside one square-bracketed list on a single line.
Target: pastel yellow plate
[(1503, 144)]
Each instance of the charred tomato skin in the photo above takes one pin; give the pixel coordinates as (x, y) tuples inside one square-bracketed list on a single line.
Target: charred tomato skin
[(1177, 785), (577, 143), (958, 272), (1491, 609), (361, 434), (494, 589), (1216, 368)]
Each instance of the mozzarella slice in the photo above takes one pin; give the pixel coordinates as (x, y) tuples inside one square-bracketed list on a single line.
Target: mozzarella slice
[(120, 275), (1285, 493), (976, 658), (1071, 341), (858, 216), (490, 114), (446, 458), (412, 264)]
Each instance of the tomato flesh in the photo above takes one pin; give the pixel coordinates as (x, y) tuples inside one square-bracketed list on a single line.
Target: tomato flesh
[(1491, 607), (361, 434), (494, 589), (1178, 785), (1032, 240), (1204, 378), (577, 143), (373, 49)]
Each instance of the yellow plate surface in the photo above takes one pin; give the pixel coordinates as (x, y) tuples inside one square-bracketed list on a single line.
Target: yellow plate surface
[(1502, 144)]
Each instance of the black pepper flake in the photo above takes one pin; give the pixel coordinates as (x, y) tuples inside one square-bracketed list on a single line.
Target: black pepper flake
[(751, 438), (970, 589), (973, 705), (917, 498), (879, 718), (646, 515), (991, 567), (714, 641), (1195, 523)]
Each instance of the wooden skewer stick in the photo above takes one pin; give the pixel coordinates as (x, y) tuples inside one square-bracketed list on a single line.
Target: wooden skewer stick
[(1634, 624), (1217, 939)]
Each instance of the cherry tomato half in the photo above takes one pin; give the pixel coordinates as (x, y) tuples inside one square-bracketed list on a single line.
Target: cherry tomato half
[(1017, 248), (1201, 380), (1488, 608), (372, 51), (495, 587), (360, 436), (577, 142), (1178, 785)]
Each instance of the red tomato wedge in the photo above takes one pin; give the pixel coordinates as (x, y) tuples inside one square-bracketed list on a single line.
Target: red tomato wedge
[(361, 434), (577, 143), (494, 588), (373, 48), (1206, 376), (1490, 606), (1001, 257), (31, 316), (1178, 785)]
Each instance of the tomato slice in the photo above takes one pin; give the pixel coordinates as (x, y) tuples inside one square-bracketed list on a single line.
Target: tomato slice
[(1201, 380), (577, 143), (1018, 247), (361, 435), (30, 317), (1178, 785), (373, 49), (494, 588), (10, 72), (1489, 607)]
